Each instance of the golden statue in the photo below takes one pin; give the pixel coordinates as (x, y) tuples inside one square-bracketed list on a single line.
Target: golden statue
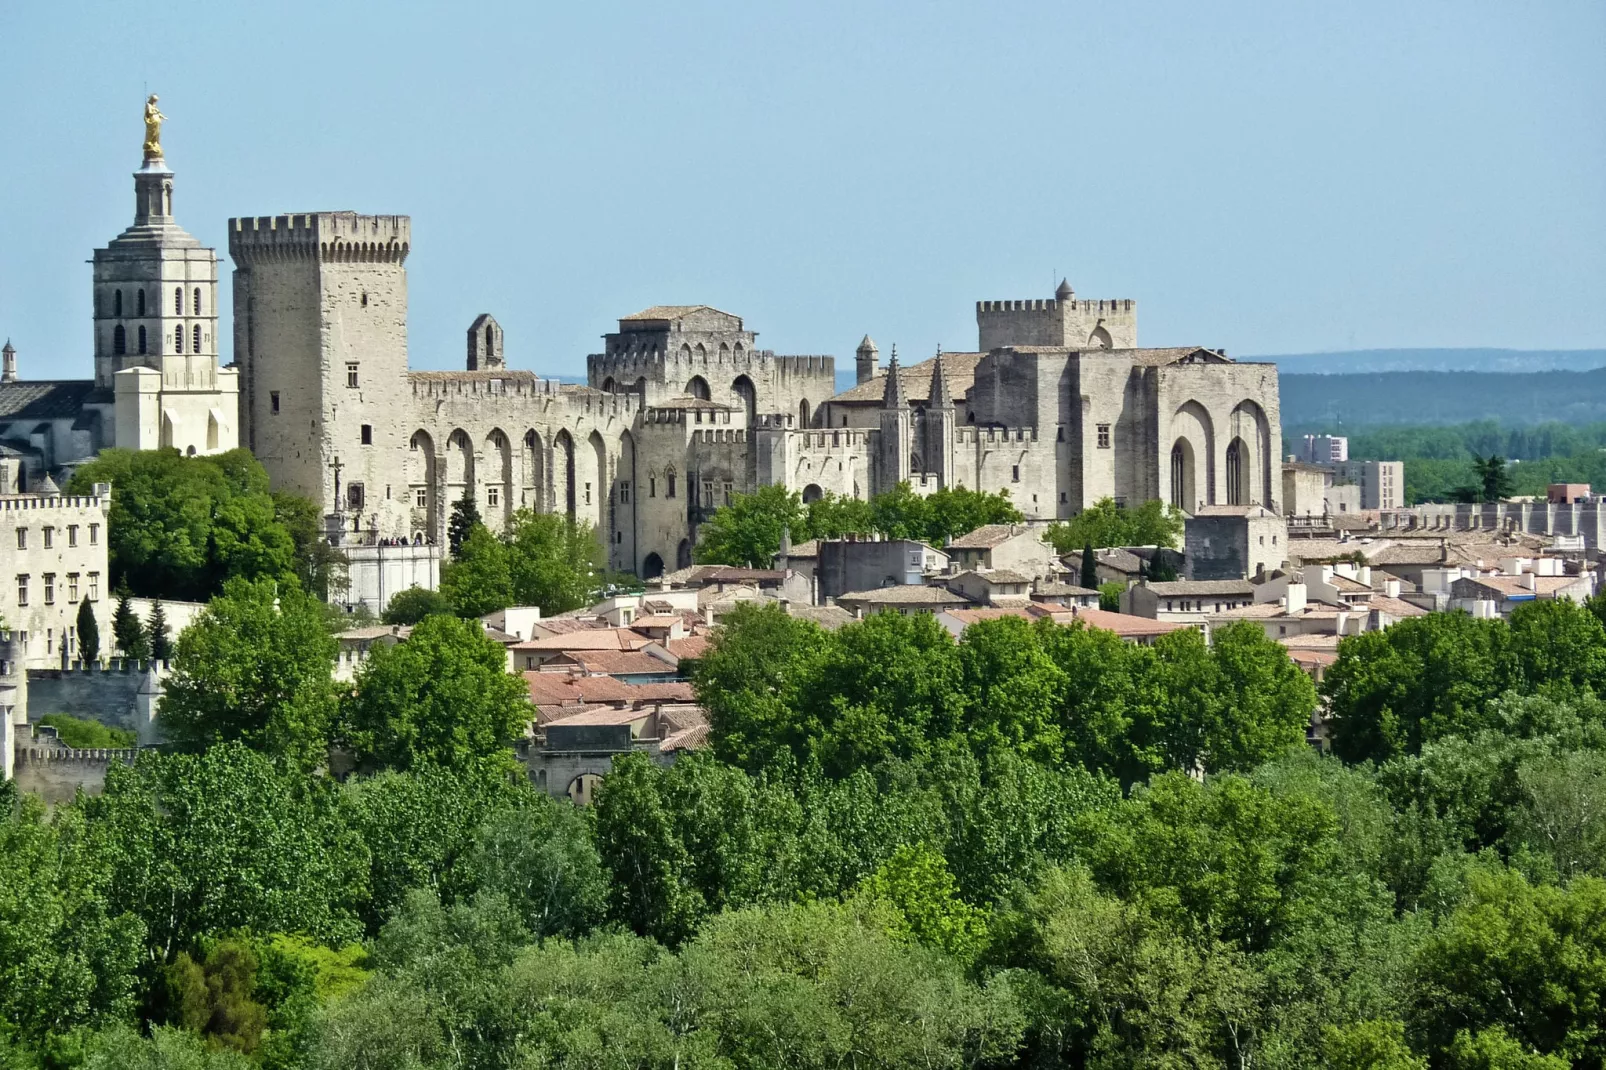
[(153, 130)]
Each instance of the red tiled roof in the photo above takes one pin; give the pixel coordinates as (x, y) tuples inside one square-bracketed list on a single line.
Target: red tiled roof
[(594, 639), (692, 646), (618, 661)]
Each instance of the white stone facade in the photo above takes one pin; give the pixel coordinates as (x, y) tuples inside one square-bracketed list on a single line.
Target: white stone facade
[(54, 551)]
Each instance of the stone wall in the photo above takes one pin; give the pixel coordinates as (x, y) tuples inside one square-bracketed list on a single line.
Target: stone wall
[(56, 773)]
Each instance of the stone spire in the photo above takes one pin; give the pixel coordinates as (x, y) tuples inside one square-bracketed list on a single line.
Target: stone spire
[(8, 363), (940, 396), (868, 360), (892, 394), (1065, 293)]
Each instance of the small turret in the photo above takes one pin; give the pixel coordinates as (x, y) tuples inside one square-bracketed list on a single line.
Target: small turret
[(485, 351), (1065, 293), (941, 397), (8, 363), (868, 359), (892, 394)]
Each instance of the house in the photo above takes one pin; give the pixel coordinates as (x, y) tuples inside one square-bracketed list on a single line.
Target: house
[(1068, 595), (1137, 630), (1186, 601), (353, 644), (1233, 542), (1022, 548), (572, 754), (993, 587), (1497, 595), (860, 563), (904, 598)]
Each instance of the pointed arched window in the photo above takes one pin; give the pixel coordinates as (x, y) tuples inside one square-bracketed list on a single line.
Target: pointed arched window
[(117, 304), (142, 339), (139, 304), (119, 340)]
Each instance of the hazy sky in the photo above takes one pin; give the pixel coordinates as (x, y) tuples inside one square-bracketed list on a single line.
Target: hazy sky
[(1267, 178)]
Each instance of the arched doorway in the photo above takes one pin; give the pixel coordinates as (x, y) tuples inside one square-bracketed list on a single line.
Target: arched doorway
[(534, 464), (652, 567), (421, 469), (697, 387), (812, 493), (683, 554)]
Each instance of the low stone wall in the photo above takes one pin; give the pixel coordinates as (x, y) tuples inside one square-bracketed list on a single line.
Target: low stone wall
[(56, 773), (122, 694)]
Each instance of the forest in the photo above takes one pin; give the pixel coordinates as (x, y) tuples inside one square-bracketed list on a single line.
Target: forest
[(1038, 847)]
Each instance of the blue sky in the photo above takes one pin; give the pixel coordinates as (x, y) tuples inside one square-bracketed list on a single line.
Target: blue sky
[(1268, 178)]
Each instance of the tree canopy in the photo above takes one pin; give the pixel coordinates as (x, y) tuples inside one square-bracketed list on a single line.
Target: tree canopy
[(1104, 524), (179, 527)]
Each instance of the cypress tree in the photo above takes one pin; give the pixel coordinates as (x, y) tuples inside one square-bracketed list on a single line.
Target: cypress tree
[(127, 631), (88, 632), (156, 633), (465, 515), (1090, 568)]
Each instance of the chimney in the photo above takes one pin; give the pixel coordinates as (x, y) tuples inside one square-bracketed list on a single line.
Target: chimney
[(1296, 599), (1528, 581)]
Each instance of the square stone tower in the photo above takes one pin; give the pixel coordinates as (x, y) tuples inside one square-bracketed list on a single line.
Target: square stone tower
[(320, 338)]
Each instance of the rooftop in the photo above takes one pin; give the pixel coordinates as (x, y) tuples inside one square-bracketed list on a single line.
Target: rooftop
[(1187, 588), (986, 537), (905, 594)]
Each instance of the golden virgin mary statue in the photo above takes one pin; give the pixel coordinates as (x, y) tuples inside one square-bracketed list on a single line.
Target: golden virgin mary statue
[(153, 130)]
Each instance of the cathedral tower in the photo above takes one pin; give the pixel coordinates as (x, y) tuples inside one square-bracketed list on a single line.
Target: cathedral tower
[(155, 303), (939, 426), (896, 439)]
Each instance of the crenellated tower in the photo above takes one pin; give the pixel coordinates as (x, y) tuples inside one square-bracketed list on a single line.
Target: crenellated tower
[(320, 337), (1062, 321)]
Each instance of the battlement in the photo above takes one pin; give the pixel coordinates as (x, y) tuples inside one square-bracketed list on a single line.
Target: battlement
[(55, 502), (1050, 305), (804, 365), (333, 237), (482, 385), (707, 437)]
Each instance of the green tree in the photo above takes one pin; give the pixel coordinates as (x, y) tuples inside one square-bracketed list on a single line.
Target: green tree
[(68, 957), (916, 882), (207, 843), (1420, 679), (128, 631), (1494, 482), (414, 604), (1110, 596), (213, 997), (465, 518), (319, 567), (157, 636), (1370, 1045), (1013, 690), (1090, 568), (1528, 960), (952, 511), (643, 853), (900, 513), (1262, 703), (751, 680), (256, 667), (541, 859), (180, 526), (1556, 642), (554, 561), (747, 532), (831, 516), (88, 632), (1104, 523), (443, 697), (478, 581), (122, 1047)]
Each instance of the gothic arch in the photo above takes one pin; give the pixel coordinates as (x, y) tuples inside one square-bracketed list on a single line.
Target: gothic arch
[(812, 493), (747, 395), (652, 567), (459, 466), (1100, 338), (697, 387), (1238, 469), (601, 491), (534, 465), (607, 385), (702, 355), (683, 554), (629, 489), (803, 413), (498, 479), (421, 468), (1184, 476), (1192, 423), (1248, 423), (563, 472)]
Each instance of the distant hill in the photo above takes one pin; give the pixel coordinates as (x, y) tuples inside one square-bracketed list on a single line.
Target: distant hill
[(1436, 360), (1354, 401)]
